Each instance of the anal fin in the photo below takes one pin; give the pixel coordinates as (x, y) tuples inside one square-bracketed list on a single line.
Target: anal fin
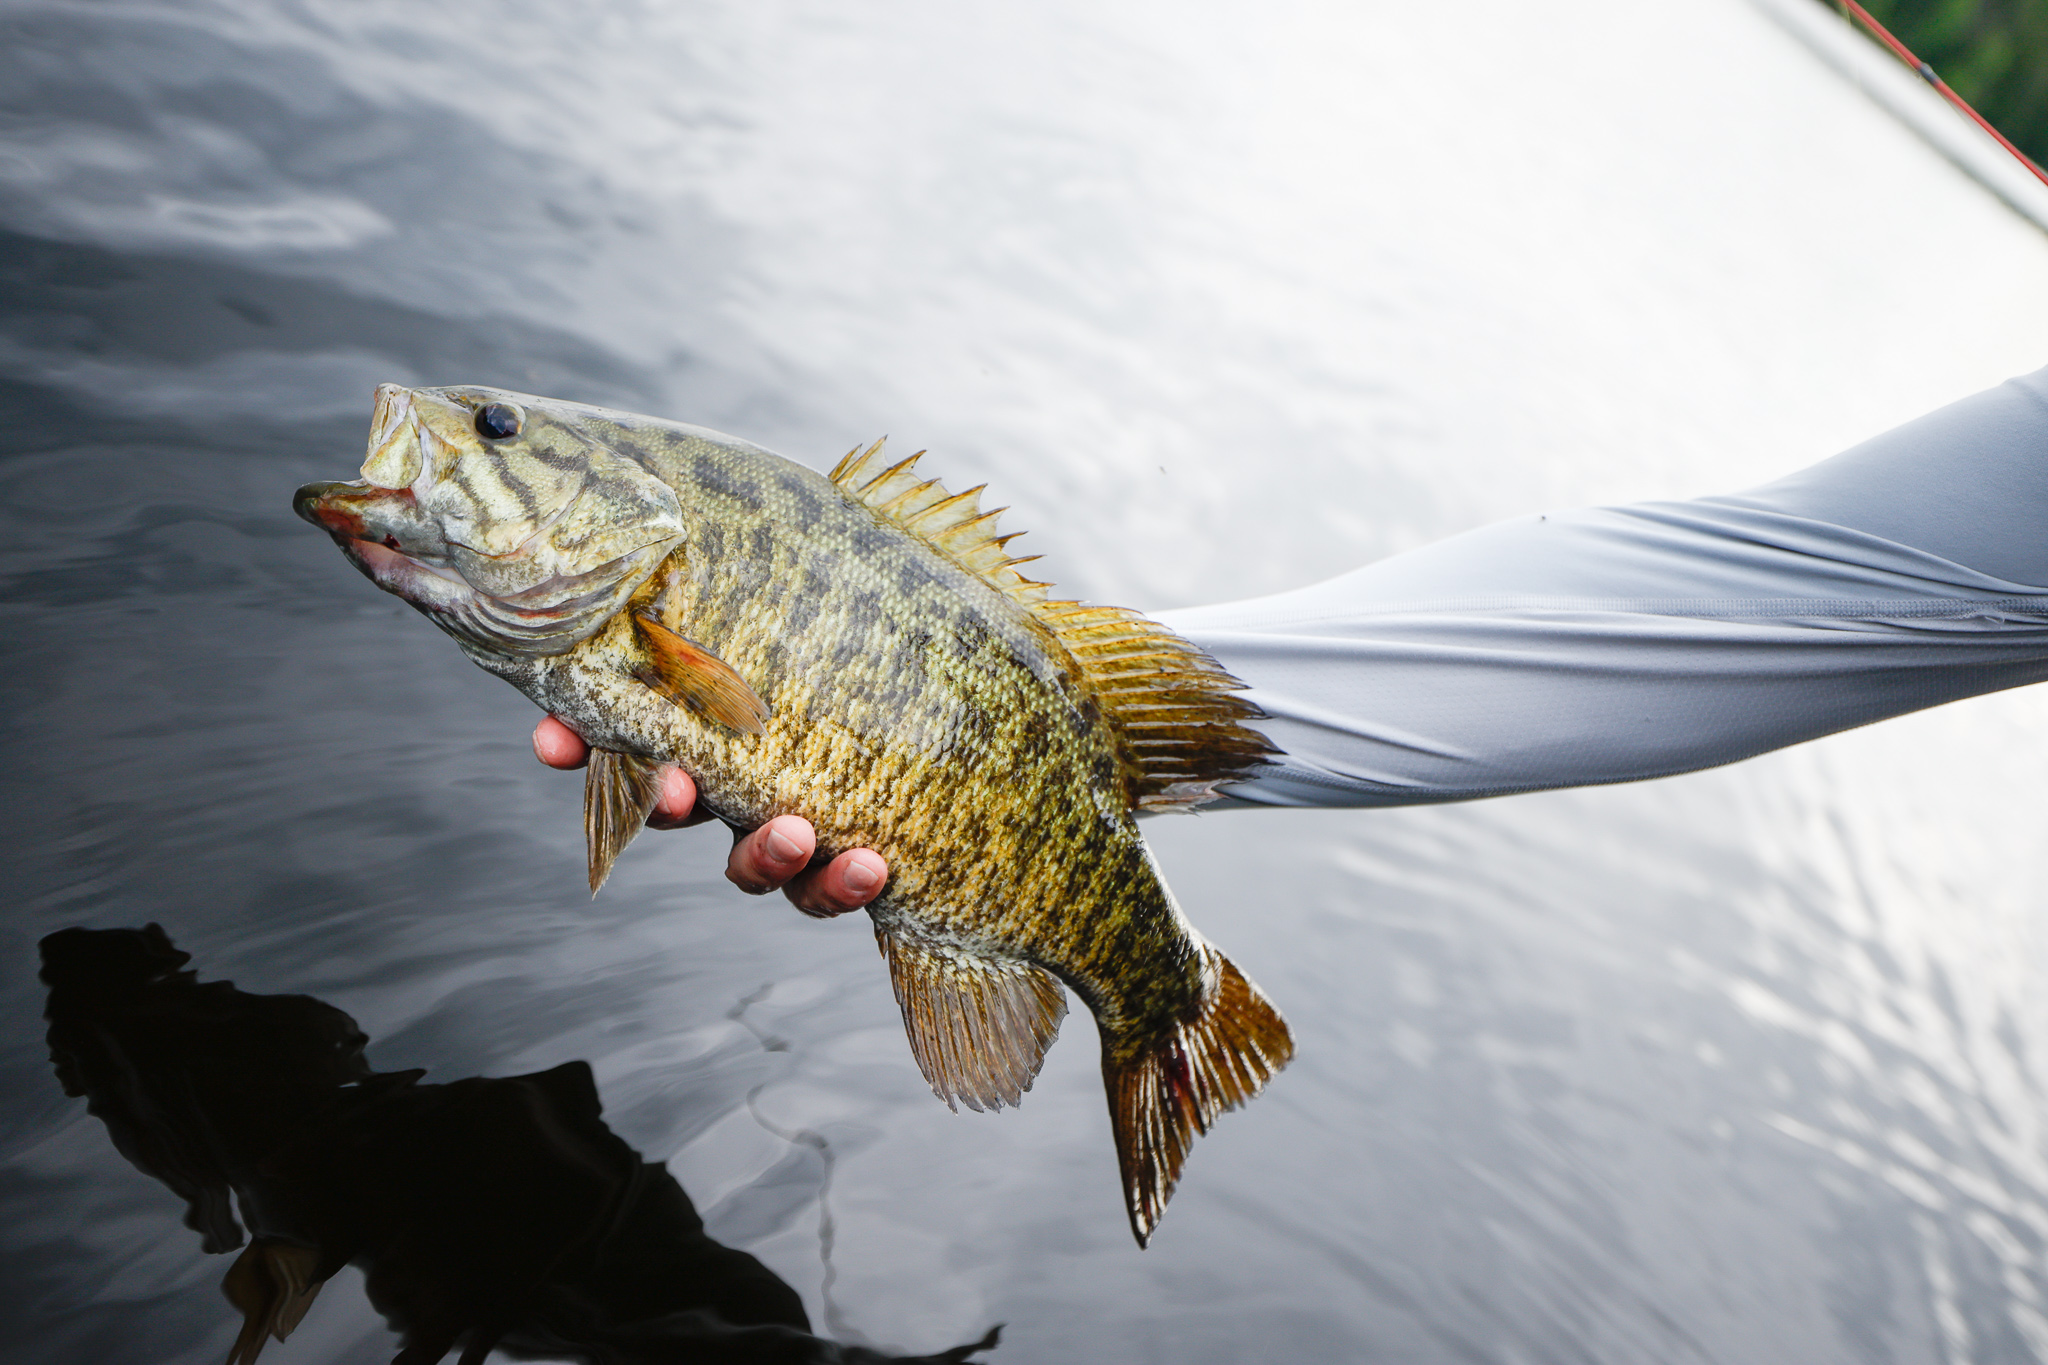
[(619, 790), (1164, 1091), (273, 1283), (978, 1026)]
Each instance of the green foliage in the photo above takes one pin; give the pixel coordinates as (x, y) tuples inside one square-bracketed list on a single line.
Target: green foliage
[(1994, 53)]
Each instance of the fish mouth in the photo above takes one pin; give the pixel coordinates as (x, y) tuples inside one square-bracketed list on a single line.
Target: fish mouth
[(337, 508), (545, 618), (347, 511), (427, 586)]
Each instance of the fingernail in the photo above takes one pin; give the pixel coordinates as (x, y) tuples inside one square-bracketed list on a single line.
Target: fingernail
[(860, 878), (782, 848)]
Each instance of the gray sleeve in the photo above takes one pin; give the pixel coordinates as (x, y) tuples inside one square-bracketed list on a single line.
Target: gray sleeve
[(1618, 643)]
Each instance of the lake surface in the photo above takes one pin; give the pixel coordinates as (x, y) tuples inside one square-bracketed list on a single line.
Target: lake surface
[(1746, 1066)]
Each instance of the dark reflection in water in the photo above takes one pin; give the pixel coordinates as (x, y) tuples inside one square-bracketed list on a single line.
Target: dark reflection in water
[(487, 1213)]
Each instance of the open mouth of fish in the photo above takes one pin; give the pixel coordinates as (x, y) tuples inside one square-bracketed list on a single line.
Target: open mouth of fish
[(429, 581), (340, 510)]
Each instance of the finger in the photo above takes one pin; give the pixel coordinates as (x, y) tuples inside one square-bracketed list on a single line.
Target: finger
[(771, 855), (556, 745), (846, 883), (676, 805)]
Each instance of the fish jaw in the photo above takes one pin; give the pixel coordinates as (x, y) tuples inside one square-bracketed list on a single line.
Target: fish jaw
[(382, 533), (366, 523), (395, 459), (360, 510)]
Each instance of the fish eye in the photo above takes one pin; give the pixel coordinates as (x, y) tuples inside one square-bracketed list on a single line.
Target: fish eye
[(499, 420)]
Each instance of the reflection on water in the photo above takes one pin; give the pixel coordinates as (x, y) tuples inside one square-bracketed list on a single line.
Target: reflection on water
[(487, 1214), (1748, 1066)]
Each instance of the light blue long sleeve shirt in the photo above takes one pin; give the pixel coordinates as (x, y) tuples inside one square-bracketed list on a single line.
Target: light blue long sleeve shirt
[(1611, 644)]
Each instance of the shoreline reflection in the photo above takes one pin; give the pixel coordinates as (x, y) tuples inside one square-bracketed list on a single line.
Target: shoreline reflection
[(486, 1213)]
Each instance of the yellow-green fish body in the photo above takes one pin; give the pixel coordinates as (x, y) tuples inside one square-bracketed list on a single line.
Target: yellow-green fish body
[(861, 651)]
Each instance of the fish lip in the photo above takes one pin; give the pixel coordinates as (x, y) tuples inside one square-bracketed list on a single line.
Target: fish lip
[(438, 592), (336, 508), (318, 504), (339, 508), (394, 570), (391, 421), (382, 561)]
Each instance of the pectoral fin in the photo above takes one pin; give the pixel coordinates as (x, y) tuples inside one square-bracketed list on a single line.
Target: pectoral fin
[(618, 792), (692, 676), (273, 1284), (978, 1026)]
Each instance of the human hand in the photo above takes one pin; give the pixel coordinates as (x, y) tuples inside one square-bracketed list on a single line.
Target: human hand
[(776, 855)]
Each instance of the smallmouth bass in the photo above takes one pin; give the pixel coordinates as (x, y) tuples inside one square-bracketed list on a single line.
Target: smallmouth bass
[(860, 650)]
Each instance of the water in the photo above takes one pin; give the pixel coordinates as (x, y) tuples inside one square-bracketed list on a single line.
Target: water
[(1743, 1066)]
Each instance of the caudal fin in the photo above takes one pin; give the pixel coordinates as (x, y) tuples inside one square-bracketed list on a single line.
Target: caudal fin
[(1164, 1090)]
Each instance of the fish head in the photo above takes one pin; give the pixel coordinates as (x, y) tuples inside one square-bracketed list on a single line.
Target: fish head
[(515, 523)]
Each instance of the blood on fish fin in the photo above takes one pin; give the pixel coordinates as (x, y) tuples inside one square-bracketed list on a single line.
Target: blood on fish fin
[(1178, 726), (1165, 1090), (951, 523), (618, 792), (273, 1283), (1178, 723), (978, 1026), (692, 676)]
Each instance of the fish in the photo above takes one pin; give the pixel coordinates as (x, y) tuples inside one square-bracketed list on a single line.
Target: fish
[(863, 650)]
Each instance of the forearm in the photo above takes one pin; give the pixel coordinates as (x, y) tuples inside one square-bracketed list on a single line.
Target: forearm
[(1613, 644)]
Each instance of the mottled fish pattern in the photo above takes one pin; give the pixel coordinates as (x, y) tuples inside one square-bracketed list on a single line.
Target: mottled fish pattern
[(863, 651)]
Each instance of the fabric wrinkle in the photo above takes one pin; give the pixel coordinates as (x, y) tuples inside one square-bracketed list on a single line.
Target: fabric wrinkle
[(1662, 637)]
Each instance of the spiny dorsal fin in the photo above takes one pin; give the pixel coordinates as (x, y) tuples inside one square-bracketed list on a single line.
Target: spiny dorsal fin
[(978, 1026), (692, 676), (1178, 725), (1177, 720), (618, 792), (1163, 1092), (951, 523)]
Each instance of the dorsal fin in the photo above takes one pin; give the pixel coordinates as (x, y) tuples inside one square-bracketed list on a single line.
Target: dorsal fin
[(1177, 719), (951, 523), (1178, 724)]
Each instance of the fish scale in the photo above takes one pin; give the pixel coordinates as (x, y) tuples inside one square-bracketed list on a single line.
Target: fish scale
[(860, 650)]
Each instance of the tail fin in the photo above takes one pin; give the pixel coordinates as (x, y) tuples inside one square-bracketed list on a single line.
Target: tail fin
[(1165, 1090)]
